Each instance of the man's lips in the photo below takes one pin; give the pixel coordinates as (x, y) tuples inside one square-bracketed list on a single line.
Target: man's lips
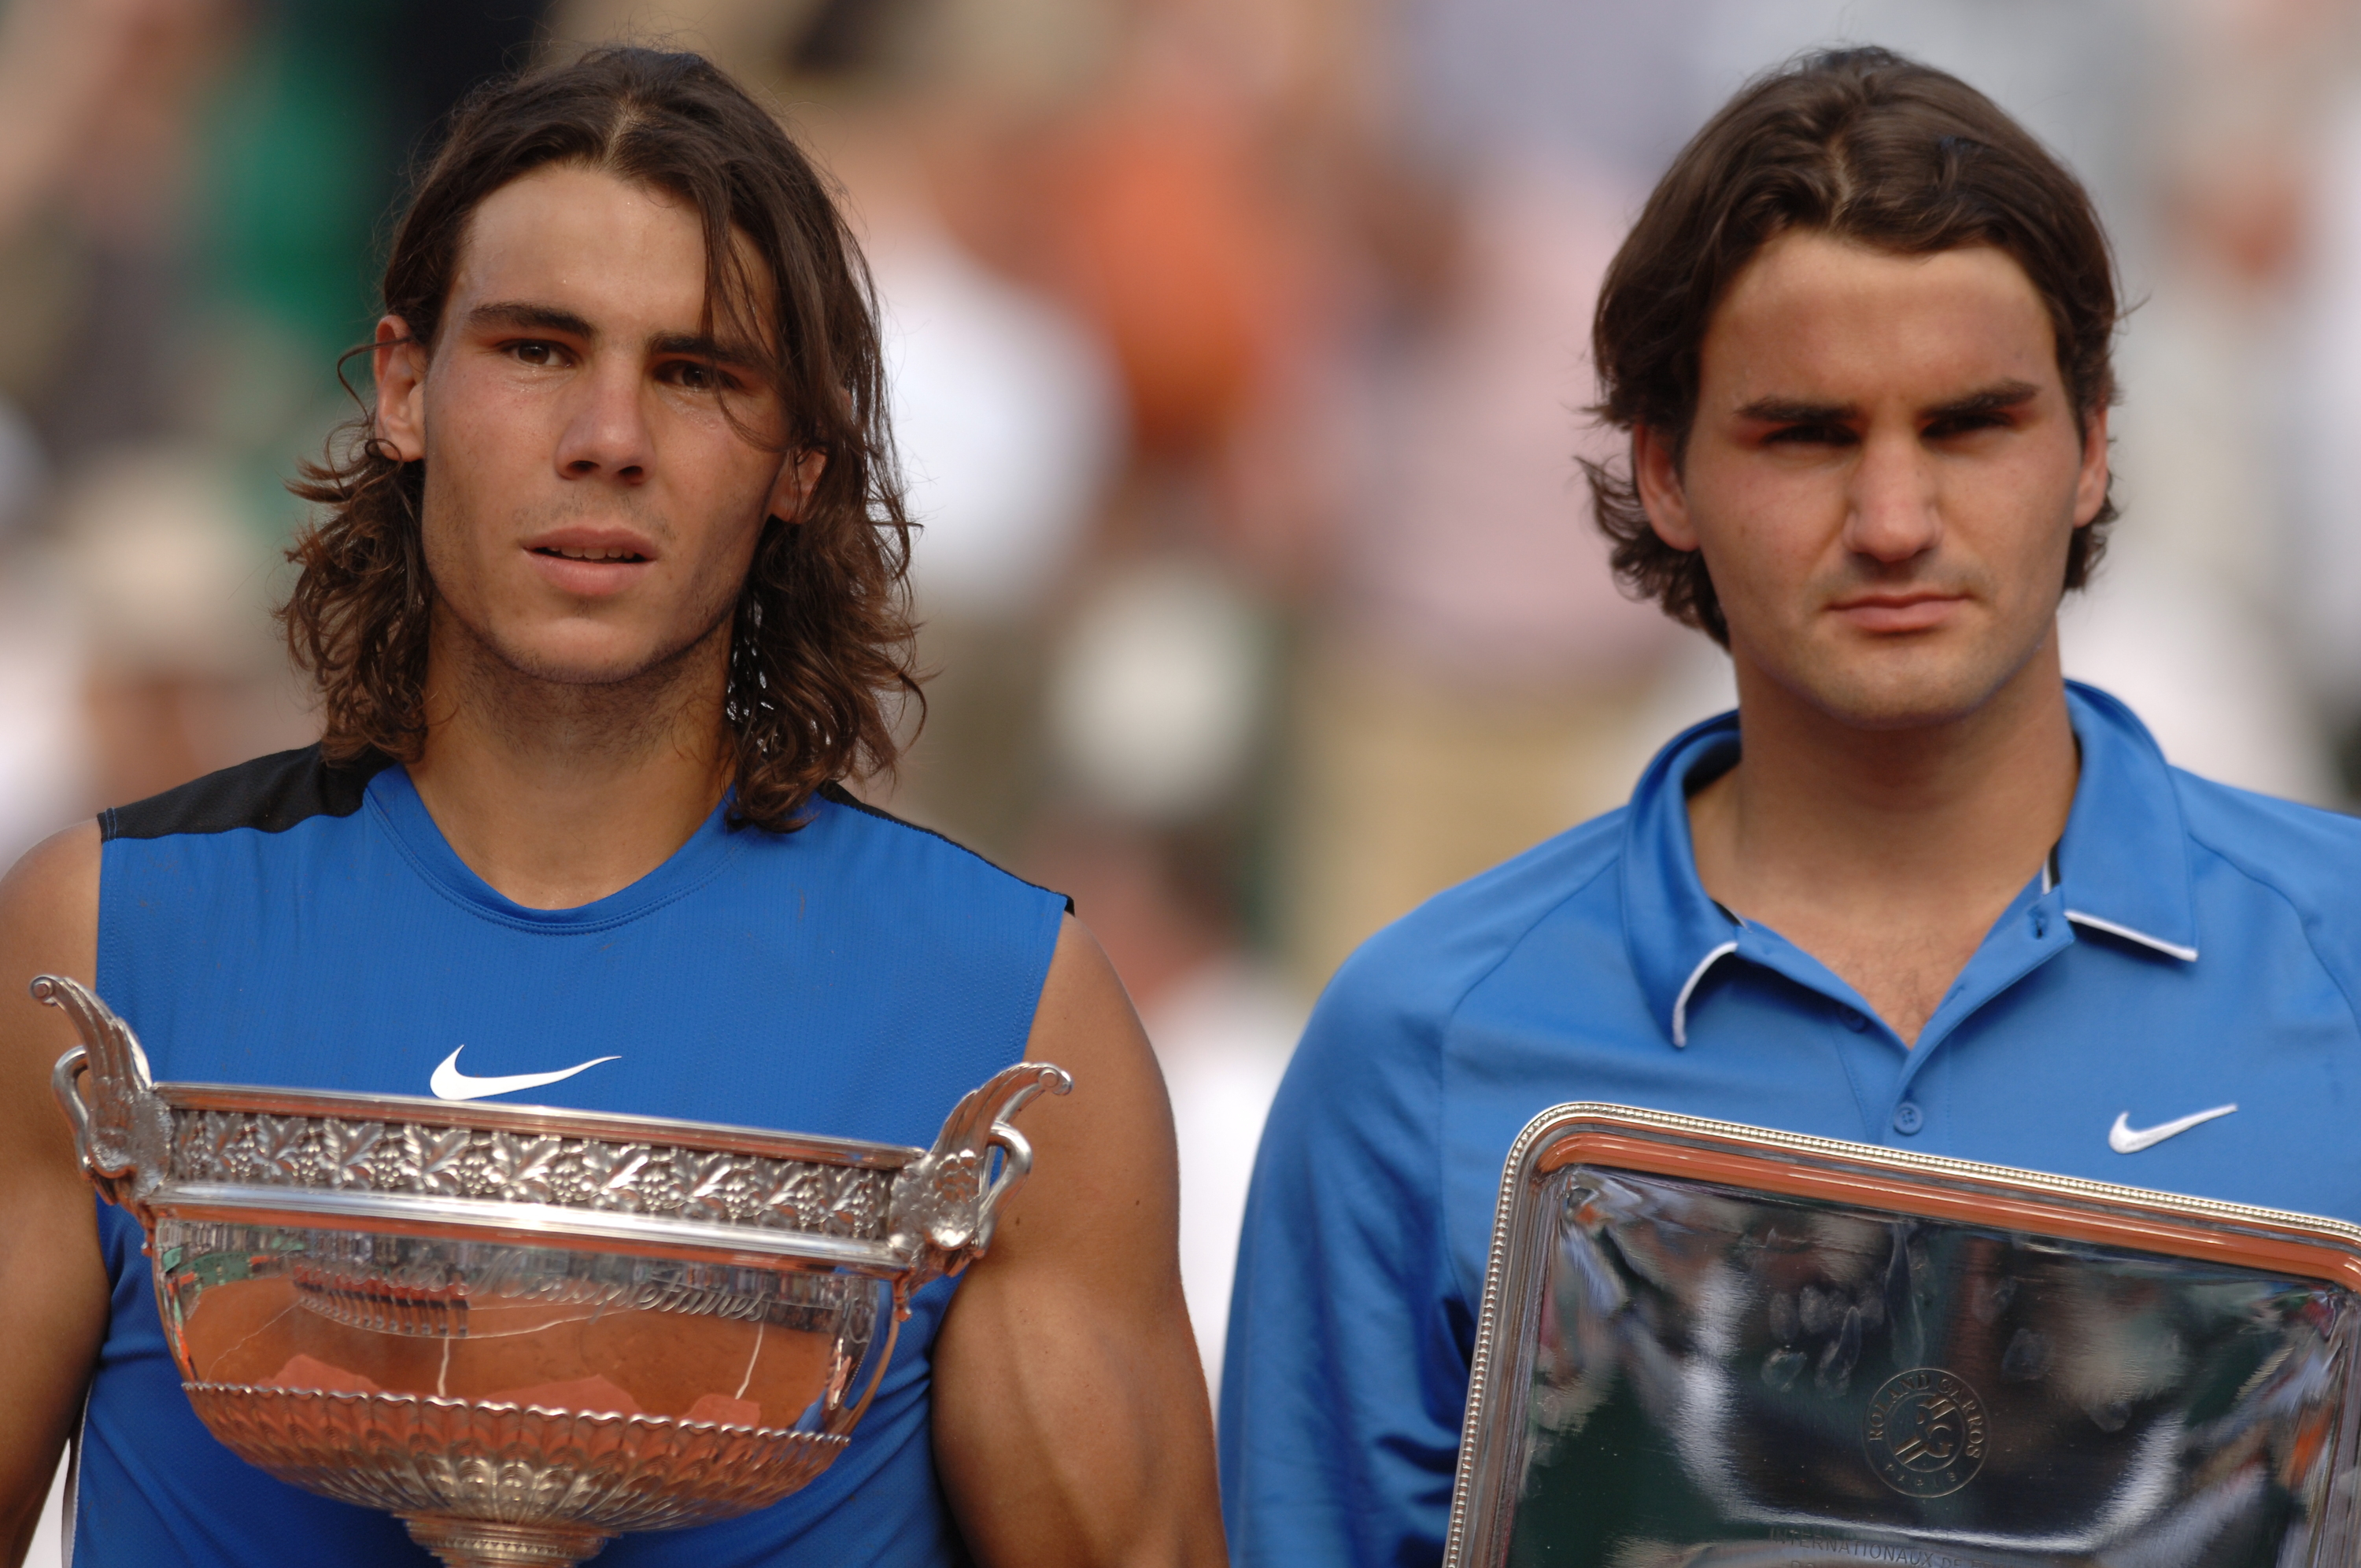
[(1913, 611), (590, 561)]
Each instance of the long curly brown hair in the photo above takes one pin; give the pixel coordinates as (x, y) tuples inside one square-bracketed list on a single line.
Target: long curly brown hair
[(820, 653), (1861, 145)]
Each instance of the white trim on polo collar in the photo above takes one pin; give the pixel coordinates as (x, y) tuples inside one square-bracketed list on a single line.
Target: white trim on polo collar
[(1681, 1003)]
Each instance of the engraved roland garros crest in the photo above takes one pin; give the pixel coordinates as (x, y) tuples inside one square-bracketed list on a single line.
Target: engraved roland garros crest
[(1926, 1433)]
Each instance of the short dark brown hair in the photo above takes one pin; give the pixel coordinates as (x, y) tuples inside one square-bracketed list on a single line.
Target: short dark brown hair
[(1861, 145), (821, 643)]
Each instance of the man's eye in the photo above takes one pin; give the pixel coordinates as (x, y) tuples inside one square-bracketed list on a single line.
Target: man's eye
[(699, 377), (1809, 435), (530, 353), (1964, 424)]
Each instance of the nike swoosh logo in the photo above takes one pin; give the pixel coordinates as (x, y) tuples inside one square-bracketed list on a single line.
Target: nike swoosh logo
[(2124, 1138), (450, 1084)]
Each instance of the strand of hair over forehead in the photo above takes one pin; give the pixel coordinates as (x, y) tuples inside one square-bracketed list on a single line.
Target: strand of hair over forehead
[(610, 110), (1840, 146), (1832, 169), (809, 346)]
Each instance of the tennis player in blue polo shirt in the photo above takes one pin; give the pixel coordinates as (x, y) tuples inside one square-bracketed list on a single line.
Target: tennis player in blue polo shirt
[(1919, 891)]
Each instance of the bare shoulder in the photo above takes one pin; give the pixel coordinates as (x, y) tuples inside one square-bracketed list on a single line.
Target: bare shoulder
[(1085, 1012), (60, 873), (48, 924), (53, 1283), (1104, 1154)]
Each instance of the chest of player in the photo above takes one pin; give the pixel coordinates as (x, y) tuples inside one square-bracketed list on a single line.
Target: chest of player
[(2229, 1076), (849, 980)]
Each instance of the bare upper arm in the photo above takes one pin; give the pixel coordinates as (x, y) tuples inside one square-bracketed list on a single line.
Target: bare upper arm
[(1070, 1416), (53, 1279)]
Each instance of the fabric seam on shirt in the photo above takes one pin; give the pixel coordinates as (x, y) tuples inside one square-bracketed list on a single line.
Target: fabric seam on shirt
[(532, 928), (1441, 1046), (2303, 922), (1509, 950), (1864, 1094), (374, 762)]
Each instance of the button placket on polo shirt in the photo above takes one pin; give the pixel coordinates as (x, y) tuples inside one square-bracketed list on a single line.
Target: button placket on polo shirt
[(1871, 1054), (2033, 931), (1897, 1097)]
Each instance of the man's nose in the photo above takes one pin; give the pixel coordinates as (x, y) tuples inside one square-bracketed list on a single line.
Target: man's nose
[(1893, 509), (606, 432)]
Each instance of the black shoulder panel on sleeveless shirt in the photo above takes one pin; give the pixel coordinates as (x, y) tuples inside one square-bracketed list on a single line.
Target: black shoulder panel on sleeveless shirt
[(836, 792), (271, 793)]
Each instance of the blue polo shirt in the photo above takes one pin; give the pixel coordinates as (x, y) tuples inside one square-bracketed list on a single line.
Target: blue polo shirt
[(2189, 947)]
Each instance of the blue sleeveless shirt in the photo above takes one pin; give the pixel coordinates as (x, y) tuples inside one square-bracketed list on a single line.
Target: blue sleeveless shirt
[(289, 923)]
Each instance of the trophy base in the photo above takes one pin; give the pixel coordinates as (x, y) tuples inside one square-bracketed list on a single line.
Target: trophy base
[(474, 1543)]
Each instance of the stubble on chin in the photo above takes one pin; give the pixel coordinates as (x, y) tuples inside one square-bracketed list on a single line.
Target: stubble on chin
[(1918, 681), (613, 706), (1891, 695), (1893, 681)]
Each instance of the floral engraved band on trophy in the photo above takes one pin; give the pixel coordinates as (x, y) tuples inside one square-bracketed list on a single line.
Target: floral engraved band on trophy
[(525, 1330)]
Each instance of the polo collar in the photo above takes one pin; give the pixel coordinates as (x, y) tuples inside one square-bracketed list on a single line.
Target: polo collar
[(2122, 864), (1674, 931)]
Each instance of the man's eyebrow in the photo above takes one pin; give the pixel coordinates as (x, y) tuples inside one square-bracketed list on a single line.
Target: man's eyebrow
[(1991, 400), (1790, 410), (697, 345), (531, 317)]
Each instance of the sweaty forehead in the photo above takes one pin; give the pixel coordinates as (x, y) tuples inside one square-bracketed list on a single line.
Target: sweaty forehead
[(625, 256), (1814, 316)]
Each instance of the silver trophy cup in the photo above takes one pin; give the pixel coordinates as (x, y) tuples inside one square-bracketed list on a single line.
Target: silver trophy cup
[(526, 1331), (1704, 1345)]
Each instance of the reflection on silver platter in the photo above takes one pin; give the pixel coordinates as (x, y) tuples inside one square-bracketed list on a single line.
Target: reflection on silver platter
[(525, 1330), (1704, 1345)]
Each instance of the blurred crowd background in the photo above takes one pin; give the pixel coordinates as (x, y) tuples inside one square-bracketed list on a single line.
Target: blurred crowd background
[(1239, 361)]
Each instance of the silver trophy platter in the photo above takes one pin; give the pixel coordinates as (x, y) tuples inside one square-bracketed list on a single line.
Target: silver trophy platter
[(525, 1330), (1704, 1345)]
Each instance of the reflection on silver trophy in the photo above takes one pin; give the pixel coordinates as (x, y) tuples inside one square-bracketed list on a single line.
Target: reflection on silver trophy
[(525, 1330), (1706, 1345)]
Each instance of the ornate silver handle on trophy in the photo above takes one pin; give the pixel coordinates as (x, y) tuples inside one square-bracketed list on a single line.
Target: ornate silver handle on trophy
[(944, 1208), (1015, 1165), (121, 1131)]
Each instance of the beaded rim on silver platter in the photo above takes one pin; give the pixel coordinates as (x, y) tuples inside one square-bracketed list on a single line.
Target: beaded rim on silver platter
[(526, 1330), (1719, 1346)]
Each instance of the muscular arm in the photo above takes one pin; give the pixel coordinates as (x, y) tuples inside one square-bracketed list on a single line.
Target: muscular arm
[(1070, 1420), (52, 1280)]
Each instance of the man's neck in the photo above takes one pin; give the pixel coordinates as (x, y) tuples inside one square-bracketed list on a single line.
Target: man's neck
[(1888, 854), (558, 794)]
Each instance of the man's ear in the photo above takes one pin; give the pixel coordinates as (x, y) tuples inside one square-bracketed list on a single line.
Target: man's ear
[(1658, 476), (398, 364), (2090, 483), (798, 477)]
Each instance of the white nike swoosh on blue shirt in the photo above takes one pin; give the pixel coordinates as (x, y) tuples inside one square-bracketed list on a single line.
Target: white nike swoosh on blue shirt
[(2124, 1138), (450, 1084)]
